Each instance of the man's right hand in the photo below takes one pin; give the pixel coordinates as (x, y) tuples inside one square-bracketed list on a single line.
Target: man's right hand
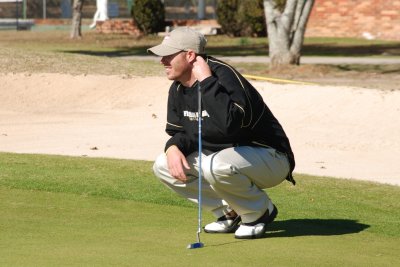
[(176, 162)]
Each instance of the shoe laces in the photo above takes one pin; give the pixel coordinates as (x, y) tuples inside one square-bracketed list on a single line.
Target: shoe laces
[(226, 218)]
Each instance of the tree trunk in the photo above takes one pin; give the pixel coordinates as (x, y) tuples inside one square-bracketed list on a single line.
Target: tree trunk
[(286, 24), (76, 19)]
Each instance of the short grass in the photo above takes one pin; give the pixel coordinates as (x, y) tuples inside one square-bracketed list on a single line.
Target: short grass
[(76, 211)]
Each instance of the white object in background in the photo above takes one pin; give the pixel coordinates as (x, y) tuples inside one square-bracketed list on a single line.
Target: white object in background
[(368, 36), (101, 13)]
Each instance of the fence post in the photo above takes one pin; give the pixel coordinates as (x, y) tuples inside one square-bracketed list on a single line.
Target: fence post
[(16, 15), (44, 9), (130, 3), (24, 9), (201, 9)]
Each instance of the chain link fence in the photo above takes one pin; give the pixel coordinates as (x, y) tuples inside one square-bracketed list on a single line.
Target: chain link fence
[(62, 9), (188, 9)]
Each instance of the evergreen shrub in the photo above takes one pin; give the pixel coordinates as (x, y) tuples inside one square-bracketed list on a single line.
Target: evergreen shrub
[(149, 15), (241, 17)]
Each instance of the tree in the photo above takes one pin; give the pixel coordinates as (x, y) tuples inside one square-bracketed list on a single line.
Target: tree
[(241, 17), (76, 19), (286, 24), (149, 15)]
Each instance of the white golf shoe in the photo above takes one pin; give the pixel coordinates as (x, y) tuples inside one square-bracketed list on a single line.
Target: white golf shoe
[(224, 224), (257, 228)]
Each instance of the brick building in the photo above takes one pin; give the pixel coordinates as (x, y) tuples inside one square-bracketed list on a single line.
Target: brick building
[(370, 19)]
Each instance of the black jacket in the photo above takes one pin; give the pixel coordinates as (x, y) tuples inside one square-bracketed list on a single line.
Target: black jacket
[(233, 112)]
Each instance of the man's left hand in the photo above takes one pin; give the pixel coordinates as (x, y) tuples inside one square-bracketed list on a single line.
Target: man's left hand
[(201, 70)]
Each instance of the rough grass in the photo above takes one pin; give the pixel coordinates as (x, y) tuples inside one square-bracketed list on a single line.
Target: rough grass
[(54, 52), (31, 61), (63, 211)]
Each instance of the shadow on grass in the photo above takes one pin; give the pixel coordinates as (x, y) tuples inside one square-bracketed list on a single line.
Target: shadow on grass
[(307, 227), (350, 50), (121, 52), (142, 51), (310, 227), (261, 50)]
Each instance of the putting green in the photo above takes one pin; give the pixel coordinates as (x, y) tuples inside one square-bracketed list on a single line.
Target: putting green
[(58, 229), (67, 211)]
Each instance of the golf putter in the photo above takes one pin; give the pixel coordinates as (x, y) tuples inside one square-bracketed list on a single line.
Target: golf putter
[(199, 244)]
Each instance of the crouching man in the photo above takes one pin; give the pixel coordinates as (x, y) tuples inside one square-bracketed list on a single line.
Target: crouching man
[(245, 148)]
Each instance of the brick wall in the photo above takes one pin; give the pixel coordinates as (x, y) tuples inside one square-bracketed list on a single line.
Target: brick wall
[(118, 26), (378, 19)]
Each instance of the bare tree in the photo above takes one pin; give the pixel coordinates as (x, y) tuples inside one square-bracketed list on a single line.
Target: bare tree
[(76, 19), (286, 24)]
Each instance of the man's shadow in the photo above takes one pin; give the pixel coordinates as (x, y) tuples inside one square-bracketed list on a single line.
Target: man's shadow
[(309, 227)]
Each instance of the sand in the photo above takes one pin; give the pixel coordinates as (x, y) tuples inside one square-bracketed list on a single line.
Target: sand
[(336, 131)]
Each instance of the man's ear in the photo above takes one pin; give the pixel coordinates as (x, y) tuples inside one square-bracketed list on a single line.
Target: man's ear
[(191, 56)]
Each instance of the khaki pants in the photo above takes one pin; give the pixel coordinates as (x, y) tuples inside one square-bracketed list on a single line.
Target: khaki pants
[(233, 178)]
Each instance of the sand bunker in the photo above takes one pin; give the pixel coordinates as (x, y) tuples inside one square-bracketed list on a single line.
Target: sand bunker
[(335, 131)]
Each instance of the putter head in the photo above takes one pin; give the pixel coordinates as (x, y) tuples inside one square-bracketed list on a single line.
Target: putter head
[(195, 245)]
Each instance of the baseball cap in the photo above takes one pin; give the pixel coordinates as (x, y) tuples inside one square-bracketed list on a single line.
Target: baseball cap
[(180, 39)]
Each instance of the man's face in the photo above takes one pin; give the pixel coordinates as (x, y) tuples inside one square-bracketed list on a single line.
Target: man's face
[(177, 66)]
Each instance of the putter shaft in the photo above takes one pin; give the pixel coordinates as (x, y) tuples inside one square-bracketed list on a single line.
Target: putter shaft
[(199, 244)]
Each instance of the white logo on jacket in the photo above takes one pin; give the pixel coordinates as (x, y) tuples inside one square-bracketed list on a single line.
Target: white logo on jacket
[(193, 116)]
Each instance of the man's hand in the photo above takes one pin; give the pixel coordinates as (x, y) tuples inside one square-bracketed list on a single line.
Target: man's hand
[(176, 162), (201, 70)]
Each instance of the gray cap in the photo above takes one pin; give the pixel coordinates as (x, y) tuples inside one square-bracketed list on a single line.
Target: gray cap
[(180, 39)]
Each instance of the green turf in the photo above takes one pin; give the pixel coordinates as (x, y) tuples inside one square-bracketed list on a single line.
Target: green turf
[(71, 211)]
